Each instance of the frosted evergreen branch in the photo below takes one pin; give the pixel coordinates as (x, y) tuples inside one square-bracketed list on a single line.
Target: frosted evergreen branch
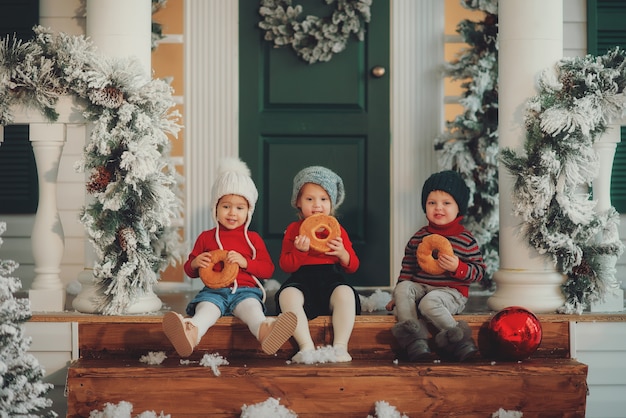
[(133, 180), (577, 99)]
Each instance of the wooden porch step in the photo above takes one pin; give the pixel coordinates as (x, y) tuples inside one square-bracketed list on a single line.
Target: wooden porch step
[(109, 370), (371, 337), (539, 387)]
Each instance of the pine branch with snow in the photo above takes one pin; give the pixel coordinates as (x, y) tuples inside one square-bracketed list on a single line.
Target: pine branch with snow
[(133, 181), (576, 101)]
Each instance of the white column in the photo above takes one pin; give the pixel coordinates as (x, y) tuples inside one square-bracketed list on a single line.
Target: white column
[(415, 83), (605, 147), (48, 241), (211, 103), (122, 29), (530, 40)]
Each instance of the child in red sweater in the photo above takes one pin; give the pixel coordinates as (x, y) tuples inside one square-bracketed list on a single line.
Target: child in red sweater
[(234, 196), (316, 285), (421, 297)]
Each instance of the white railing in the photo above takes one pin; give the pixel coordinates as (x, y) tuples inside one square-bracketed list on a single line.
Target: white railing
[(47, 292)]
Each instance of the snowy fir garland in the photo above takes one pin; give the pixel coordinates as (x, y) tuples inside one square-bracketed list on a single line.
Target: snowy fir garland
[(470, 143), (576, 102), (21, 386), (133, 181), (313, 38)]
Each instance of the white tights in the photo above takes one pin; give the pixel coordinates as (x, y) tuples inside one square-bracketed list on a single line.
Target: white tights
[(342, 306)]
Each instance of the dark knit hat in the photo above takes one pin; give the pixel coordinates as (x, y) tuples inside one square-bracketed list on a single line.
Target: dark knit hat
[(448, 181)]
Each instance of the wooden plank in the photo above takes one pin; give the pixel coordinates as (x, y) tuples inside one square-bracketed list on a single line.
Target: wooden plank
[(344, 389), (371, 338)]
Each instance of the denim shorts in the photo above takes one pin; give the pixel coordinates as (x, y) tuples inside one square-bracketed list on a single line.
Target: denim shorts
[(225, 299)]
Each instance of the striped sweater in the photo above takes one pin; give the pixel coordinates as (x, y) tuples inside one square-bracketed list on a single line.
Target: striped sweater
[(471, 265)]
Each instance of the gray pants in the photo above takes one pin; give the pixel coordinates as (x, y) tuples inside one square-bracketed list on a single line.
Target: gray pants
[(435, 304)]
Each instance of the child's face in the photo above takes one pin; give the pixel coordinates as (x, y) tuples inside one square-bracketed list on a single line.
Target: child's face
[(232, 211), (313, 199), (441, 208)]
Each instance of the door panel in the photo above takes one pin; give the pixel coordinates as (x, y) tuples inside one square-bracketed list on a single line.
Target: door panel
[(336, 114)]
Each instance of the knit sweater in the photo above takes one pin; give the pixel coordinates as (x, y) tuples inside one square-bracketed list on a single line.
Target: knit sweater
[(261, 267), (471, 265), (291, 259)]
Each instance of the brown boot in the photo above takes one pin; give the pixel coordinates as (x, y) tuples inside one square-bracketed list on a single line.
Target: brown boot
[(273, 333), (182, 334)]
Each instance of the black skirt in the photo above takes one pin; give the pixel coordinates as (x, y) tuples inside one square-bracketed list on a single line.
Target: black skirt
[(317, 283)]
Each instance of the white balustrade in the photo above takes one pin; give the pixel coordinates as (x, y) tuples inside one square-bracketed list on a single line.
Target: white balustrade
[(47, 292), (605, 147)]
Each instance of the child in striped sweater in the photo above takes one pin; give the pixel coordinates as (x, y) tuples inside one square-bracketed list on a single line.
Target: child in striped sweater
[(419, 297)]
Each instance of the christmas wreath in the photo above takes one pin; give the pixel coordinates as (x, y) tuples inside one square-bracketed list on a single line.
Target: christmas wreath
[(575, 104), (132, 178), (313, 38)]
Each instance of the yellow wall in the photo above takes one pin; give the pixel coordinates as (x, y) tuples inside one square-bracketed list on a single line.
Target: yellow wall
[(455, 13), (168, 63)]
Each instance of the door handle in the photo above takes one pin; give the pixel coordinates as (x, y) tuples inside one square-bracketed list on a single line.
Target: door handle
[(378, 71)]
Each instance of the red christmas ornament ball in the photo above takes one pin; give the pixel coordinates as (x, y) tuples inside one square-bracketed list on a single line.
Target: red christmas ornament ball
[(515, 333)]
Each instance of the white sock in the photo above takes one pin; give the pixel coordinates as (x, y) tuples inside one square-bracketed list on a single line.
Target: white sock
[(205, 317), (250, 311)]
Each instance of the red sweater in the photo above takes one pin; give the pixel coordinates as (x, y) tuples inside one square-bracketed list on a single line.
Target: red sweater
[(291, 259), (261, 267)]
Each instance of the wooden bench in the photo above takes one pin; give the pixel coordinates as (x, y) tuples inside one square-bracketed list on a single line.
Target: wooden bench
[(549, 384)]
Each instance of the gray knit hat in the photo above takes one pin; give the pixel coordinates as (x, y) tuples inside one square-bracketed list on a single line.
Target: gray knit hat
[(322, 176), (450, 182)]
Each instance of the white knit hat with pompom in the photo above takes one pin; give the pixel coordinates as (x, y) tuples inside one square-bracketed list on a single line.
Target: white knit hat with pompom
[(234, 177)]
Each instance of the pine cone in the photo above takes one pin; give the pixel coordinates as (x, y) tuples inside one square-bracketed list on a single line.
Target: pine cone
[(583, 269), (127, 238), (110, 97), (99, 180)]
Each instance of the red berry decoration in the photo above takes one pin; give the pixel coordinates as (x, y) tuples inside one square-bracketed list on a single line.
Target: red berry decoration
[(514, 333)]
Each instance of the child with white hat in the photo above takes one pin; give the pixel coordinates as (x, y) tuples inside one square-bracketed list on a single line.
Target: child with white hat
[(316, 285), (234, 196)]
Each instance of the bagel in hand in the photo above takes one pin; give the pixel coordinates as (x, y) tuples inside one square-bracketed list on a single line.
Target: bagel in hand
[(428, 252), (320, 229), (218, 279)]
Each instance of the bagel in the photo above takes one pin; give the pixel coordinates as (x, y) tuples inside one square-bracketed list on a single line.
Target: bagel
[(218, 279), (320, 229), (428, 252)]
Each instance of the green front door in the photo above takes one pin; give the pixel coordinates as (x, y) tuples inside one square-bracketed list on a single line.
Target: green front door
[(336, 114)]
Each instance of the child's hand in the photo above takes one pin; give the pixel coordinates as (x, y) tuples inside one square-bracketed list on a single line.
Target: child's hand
[(235, 257), (390, 305), (448, 262), (201, 260), (302, 243), (338, 250)]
